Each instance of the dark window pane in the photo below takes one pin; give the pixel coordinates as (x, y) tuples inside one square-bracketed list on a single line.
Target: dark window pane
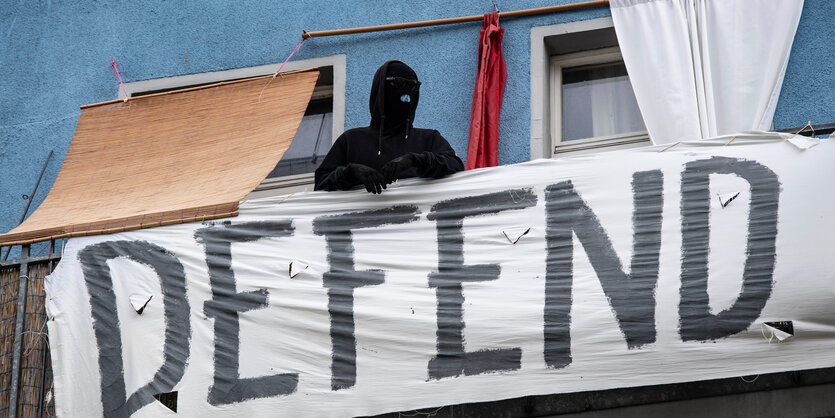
[(311, 143)]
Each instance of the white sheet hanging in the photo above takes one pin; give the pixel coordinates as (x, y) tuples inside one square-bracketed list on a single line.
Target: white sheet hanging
[(619, 269), (702, 68)]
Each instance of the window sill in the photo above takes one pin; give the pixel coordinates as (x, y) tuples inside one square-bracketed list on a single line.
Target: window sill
[(282, 185), (619, 141)]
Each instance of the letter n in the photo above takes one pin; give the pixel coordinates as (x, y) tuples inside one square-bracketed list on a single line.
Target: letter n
[(632, 296)]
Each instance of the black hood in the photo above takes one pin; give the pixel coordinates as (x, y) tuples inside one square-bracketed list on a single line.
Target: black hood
[(377, 101)]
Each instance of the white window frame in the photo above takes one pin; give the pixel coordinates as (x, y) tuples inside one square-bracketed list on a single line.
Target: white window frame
[(276, 185), (545, 129), (585, 145)]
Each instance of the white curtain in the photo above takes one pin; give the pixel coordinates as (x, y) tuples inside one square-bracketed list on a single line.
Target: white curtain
[(602, 104), (702, 68), (613, 107)]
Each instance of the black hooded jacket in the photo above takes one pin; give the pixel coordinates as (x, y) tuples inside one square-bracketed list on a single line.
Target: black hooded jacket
[(385, 140)]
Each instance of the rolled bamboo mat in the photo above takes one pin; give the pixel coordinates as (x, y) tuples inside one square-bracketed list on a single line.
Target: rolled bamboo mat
[(173, 157)]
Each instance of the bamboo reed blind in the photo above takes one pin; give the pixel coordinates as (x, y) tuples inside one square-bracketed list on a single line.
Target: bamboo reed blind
[(169, 158)]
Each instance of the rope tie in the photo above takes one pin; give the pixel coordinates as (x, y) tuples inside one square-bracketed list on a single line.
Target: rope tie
[(807, 125), (280, 67), (288, 57), (670, 146), (113, 62)]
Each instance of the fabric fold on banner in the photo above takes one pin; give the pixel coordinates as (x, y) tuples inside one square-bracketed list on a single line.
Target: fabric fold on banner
[(483, 142), (702, 68), (169, 158)]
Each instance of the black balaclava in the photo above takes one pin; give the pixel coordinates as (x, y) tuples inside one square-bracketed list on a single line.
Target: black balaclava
[(399, 99), (393, 107)]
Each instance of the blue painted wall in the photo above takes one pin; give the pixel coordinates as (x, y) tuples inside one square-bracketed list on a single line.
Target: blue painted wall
[(55, 56)]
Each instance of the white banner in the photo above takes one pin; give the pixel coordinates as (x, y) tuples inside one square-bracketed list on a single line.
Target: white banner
[(707, 260)]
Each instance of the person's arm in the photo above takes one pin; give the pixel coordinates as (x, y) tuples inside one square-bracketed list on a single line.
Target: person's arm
[(436, 162), (336, 173), (331, 174), (440, 161)]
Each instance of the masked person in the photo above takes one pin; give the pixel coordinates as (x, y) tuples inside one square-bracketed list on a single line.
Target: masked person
[(390, 148)]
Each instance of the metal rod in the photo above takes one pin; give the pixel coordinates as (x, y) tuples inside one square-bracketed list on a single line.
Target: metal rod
[(44, 354), (35, 190), (41, 404), (32, 260), (451, 20), (49, 256), (30, 198), (23, 281)]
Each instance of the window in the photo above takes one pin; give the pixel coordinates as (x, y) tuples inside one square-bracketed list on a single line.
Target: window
[(312, 141), (323, 120), (581, 98), (592, 103)]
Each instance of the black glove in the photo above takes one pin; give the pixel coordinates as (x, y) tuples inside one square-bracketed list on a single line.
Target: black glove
[(368, 177), (392, 169)]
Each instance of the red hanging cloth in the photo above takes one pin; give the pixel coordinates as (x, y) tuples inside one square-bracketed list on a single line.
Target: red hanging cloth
[(483, 143)]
